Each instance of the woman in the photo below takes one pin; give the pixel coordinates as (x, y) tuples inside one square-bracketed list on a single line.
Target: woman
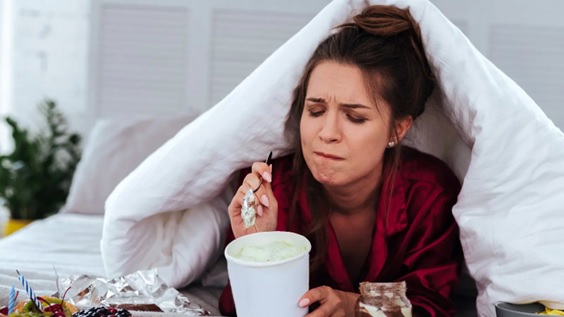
[(373, 210)]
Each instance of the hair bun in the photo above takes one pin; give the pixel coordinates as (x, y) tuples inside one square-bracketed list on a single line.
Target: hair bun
[(385, 21)]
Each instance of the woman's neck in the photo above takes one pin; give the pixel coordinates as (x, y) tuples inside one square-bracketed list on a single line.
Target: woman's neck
[(357, 197)]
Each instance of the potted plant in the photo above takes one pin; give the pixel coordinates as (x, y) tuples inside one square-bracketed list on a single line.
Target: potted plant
[(35, 177)]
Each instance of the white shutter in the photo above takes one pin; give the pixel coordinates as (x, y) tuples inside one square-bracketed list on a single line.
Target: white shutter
[(243, 39), (166, 56), (142, 65), (533, 56)]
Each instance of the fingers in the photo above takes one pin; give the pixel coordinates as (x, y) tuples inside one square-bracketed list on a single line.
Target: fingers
[(260, 174), (317, 294), (263, 171), (330, 303), (264, 202), (259, 181)]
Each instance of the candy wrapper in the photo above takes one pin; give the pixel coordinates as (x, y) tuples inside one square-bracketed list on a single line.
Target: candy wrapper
[(248, 211), (249, 208), (139, 288)]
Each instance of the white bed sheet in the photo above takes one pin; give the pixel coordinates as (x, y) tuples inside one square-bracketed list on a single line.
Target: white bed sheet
[(71, 243)]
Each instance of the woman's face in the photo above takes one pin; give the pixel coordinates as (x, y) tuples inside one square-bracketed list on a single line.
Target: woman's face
[(343, 133)]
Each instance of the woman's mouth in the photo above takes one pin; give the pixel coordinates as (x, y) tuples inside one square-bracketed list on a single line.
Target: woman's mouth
[(328, 156)]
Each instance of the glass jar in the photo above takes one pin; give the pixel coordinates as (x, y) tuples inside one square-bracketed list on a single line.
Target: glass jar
[(383, 300)]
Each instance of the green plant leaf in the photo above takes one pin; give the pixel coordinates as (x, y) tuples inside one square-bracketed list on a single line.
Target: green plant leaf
[(35, 177)]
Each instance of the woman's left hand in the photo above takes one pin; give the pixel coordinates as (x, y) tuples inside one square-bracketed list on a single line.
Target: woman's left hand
[(332, 302)]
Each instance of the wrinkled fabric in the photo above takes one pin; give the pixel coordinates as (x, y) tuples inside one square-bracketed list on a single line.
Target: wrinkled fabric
[(415, 237)]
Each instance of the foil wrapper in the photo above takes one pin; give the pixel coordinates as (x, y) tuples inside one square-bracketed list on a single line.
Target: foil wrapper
[(248, 211), (139, 288)]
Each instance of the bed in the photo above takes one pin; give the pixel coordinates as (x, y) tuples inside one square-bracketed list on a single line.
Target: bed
[(69, 241)]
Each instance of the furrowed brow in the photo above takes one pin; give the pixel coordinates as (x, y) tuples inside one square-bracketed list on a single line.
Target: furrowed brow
[(354, 106), (319, 100)]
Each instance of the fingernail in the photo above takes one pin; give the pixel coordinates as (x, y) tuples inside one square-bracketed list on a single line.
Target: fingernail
[(266, 175), (259, 210), (264, 200), (304, 302)]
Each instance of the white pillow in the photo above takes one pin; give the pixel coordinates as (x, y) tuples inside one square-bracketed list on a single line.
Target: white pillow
[(114, 148), (508, 153)]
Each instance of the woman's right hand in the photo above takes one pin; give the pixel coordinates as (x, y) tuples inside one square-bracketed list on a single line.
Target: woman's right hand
[(266, 205)]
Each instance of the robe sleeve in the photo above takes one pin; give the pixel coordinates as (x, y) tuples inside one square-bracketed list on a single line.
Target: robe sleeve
[(433, 260)]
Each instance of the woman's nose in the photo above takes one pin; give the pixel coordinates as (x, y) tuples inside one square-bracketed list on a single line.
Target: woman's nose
[(330, 131)]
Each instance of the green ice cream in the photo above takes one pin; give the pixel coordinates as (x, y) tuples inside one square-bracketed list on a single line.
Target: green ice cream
[(271, 252)]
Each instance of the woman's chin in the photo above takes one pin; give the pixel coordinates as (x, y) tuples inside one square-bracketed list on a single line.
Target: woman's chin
[(329, 180)]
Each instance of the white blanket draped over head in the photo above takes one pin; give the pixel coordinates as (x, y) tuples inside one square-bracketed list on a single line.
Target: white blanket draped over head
[(171, 211)]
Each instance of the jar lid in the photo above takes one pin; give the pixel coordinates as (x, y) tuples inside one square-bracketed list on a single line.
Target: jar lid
[(373, 289)]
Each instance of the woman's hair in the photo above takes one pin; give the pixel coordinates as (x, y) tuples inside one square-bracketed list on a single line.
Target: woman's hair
[(384, 42)]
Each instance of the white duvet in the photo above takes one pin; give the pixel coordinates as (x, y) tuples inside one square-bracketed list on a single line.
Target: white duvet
[(171, 211)]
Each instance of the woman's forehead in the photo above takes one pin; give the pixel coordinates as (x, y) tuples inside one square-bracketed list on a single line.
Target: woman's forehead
[(342, 83)]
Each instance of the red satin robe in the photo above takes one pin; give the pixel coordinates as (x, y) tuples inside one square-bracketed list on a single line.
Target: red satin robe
[(419, 243)]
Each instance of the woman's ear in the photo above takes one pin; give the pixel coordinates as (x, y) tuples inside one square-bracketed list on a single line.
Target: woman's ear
[(401, 127)]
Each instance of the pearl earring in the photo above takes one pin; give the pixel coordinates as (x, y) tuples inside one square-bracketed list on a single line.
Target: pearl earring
[(391, 144)]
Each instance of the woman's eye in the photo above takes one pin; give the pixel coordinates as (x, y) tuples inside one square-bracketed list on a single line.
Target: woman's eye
[(316, 113), (355, 119)]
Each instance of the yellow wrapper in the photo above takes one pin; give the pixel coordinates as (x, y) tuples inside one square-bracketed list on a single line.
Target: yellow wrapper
[(553, 312)]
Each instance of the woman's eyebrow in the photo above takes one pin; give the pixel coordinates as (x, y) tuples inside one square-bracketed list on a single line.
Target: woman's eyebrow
[(344, 105), (354, 106), (319, 100)]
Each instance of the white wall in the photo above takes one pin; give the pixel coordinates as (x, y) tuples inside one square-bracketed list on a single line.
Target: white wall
[(525, 39), (115, 69), (5, 28), (3, 212), (46, 57)]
